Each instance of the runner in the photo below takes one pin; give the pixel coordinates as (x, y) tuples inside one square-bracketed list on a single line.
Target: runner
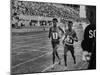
[(55, 38), (70, 37)]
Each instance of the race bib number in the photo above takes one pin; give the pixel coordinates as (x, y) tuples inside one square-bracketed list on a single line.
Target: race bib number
[(68, 39), (55, 35)]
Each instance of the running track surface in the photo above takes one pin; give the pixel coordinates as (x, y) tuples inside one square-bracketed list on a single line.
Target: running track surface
[(31, 52)]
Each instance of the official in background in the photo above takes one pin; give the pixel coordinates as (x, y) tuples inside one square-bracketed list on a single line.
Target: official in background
[(89, 42)]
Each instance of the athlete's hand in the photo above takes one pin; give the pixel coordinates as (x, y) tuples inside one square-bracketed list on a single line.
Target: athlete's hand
[(63, 42), (89, 53), (49, 38), (75, 39)]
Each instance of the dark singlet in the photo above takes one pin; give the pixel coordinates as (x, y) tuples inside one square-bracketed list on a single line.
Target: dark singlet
[(55, 34), (69, 37)]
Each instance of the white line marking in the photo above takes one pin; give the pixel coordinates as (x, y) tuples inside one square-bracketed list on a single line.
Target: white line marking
[(21, 42), (19, 53), (85, 63), (51, 66), (38, 50), (30, 60), (22, 46)]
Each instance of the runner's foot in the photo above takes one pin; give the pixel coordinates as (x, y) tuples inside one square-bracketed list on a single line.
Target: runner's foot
[(59, 62), (65, 64), (74, 62)]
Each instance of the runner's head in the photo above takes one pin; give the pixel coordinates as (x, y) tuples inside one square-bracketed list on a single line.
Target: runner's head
[(54, 20), (70, 24)]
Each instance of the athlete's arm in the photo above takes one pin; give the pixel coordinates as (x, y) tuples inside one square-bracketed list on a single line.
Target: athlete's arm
[(61, 30), (64, 39), (49, 33), (75, 37)]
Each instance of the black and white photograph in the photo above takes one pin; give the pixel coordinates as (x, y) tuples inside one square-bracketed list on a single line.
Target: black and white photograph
[(52, 37)]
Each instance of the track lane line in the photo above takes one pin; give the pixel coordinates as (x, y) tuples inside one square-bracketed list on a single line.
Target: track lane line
[(30, 60), (51, 66)]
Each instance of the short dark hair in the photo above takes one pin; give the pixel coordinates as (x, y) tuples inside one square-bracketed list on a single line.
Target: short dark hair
[(70, 22), (55, 19)]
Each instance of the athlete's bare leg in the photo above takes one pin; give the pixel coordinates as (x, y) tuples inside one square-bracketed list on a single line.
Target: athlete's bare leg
[(72, 52), (56, 54), (58, 57), (53, 54), (65, 55)]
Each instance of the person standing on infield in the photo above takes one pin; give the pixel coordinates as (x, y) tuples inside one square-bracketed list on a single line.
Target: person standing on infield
[(89, 43), (70, 37), (55, 38)]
